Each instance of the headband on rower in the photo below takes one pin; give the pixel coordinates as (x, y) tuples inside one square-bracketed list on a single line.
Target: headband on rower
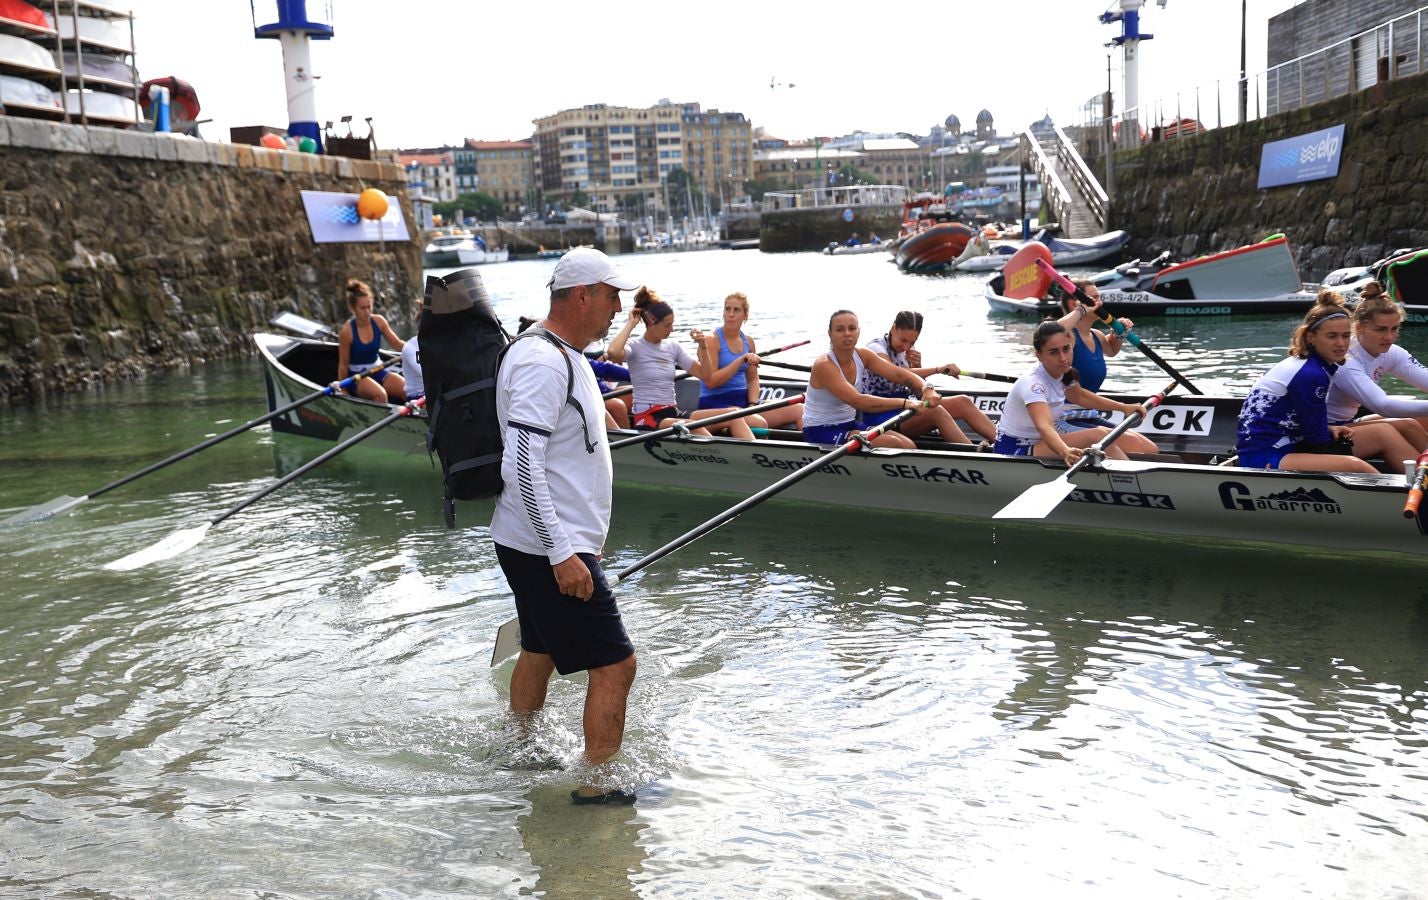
[(1333, 315), (656, 311)]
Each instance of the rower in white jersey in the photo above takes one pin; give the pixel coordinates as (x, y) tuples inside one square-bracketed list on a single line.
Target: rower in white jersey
[(1374, 353), (837, 388)]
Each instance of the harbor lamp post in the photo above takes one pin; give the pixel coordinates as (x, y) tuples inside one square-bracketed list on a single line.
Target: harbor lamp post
[(287, 22)]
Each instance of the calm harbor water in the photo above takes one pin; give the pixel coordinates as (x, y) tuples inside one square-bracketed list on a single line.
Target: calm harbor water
[(829, 703)]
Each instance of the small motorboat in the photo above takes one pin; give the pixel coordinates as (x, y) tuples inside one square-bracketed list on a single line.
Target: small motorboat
[(461, 249), (1258, 278), (857, 249), (929, 241), (1064, 251)]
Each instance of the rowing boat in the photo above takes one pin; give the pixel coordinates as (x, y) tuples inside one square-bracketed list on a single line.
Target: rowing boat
[(1180, 492)]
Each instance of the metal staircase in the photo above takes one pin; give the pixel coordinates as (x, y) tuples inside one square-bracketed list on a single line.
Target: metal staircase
[(1078, 201)]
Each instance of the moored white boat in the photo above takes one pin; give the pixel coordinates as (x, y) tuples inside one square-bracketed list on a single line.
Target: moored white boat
[(1258, 278), (857, 249), (1064, 251), (1177, 493), (450, 250)]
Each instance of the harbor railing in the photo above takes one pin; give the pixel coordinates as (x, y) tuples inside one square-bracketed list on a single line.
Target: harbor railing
[(841, 195), (1385, 52)]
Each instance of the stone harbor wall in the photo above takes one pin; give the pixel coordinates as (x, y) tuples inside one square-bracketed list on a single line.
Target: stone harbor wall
[(123, 252), (787, 230), (1199, 195)]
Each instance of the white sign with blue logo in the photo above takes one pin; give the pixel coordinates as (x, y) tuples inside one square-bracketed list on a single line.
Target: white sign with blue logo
[(1308, 157), (334, 220)]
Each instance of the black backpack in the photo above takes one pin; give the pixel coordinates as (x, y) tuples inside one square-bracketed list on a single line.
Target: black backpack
[(460, 345)]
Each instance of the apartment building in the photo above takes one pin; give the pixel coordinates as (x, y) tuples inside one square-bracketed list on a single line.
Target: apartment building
[(505, 170), (616, 154), (431, 173)]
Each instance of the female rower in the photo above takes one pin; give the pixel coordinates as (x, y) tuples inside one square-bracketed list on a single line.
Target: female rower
[(835, 389), (1030, 416), (1373, 353), (357, 347), (652, 361), (1284, 423), (1091, 347), (897, 347), (731, 375)]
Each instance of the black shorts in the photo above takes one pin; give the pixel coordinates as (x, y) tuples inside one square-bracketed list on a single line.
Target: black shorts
[(577, 634)]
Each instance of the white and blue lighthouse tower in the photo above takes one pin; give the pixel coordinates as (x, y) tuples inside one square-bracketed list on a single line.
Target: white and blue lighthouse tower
[(1129, 40), (295, 31)]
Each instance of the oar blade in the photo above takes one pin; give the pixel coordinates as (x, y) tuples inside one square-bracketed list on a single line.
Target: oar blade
[(1038, 501), (508, 642), (167, 548), (43, 511)]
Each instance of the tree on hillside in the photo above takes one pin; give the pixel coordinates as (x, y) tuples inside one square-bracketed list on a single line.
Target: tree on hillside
[(479, 205)]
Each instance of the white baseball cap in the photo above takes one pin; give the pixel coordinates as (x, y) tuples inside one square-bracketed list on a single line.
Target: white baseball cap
[(586, 265)]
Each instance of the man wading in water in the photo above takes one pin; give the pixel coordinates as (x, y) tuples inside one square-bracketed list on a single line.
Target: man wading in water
[(553, 512)]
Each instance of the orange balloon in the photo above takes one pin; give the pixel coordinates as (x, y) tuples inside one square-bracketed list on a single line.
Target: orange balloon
[(272, 141), (371, 204)]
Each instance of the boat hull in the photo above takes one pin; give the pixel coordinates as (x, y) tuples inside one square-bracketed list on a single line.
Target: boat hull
[(1064, 253), (447, 258), (1184, 501), (1181, 500), (1251, 280), (935, 249), (1138, 304), (295, 367)]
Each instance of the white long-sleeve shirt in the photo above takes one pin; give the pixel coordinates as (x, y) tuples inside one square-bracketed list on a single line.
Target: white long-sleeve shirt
[(1356, 384), (556, 496)]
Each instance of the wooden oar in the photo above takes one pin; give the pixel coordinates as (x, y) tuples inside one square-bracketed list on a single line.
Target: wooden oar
[(1416, 487), (62, 503), (1040, 500), (622, 391), (508, 635), (983, 376), (1105, 318), (187, 538), (711, 420)]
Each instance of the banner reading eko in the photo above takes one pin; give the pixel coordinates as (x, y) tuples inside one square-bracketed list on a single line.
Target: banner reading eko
[(1308, 157), (333, 217)]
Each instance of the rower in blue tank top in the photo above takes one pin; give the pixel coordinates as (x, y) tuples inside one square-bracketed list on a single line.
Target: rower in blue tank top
[(735, 391), (355, 355), (731, 369), (1090, 350)]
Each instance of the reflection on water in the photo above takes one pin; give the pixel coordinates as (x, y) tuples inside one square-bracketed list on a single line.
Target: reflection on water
[(830, 703)]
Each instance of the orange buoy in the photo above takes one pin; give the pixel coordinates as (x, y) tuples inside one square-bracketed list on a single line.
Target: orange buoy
[(371, 204)]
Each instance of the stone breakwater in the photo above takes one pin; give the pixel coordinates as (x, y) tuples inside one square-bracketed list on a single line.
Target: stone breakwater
[(1200, 195), (123, 252)]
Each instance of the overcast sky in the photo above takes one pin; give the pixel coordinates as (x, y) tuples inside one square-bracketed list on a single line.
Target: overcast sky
[(430, 72)]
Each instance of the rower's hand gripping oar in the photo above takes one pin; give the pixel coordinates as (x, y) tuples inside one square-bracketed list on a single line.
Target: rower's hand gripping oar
[(184, 539), (1040, 500), (62, 503), (706, 422), (1417, 485), (622, 391), (508, 635), (1106, 318)]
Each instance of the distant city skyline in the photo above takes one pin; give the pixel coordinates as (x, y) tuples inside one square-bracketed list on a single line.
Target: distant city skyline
[(484, 72)]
